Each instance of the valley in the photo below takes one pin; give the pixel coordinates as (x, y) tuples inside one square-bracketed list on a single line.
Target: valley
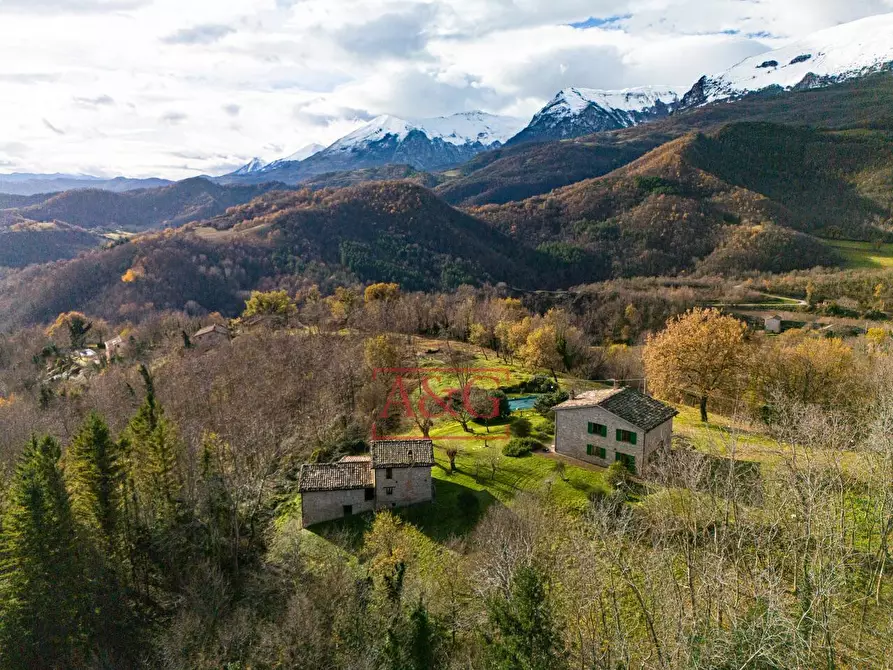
[(605, 387)]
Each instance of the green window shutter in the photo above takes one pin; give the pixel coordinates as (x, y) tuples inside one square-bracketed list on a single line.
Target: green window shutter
[(604, 431), (590, 428), (632, 438), (601, 453), (589, 450), (618, 435)]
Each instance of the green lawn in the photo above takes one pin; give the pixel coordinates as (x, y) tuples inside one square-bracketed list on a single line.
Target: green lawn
[(863, 254)]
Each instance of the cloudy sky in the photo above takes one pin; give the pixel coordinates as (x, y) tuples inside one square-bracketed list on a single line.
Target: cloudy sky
[(178, 88)]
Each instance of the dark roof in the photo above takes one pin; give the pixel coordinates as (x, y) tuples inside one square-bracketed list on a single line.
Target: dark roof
[(362, 458), (402, 453), (215, 328), (639, 409), (335, 476)]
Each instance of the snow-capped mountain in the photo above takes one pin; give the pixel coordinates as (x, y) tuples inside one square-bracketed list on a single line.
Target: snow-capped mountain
[(463, 129), (424, 144), (826, 57), (255, 165), (581, 111)]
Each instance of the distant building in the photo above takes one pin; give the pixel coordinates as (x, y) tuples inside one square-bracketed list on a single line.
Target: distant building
[(396, 474), (211, 336), (113, 348), (773, 324), (611, 425)]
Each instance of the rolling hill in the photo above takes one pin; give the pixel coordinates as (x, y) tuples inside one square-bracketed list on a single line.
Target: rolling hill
[(143, 209), (24, 242)]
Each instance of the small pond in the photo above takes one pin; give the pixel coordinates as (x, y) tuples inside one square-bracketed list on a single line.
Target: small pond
[(526, 402)]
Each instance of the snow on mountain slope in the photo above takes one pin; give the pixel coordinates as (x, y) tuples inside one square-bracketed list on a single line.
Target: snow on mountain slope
[(576, 100), (255, 165), (580, 111), (301, 154), (467, 128), (829, 56)]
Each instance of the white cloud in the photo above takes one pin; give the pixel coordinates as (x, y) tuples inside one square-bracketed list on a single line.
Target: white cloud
[(172, 88)]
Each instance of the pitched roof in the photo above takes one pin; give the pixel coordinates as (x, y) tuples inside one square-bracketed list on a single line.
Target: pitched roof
[(402, 453), (215, 328), (639, 409), (362, 458), (335, 476)]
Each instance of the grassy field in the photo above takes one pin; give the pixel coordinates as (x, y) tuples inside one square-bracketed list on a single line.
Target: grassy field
[(863, 255)]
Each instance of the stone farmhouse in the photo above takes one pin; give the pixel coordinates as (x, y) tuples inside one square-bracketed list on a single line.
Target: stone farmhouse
[(210, 336), (619, 424), (397, 473)]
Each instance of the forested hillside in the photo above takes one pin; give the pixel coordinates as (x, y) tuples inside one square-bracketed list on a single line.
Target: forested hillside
[(143, 209), (155, 519), (24, 242)]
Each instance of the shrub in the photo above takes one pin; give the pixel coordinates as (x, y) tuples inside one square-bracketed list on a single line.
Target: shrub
[(545, 403), (519, 447), (539, 384), (521, 428), (617, 476)]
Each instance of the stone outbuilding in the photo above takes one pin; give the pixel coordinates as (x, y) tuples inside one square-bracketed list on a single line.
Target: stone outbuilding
[(397, 473), (210, 336), (114, 348), (773, 324), (608, 425)]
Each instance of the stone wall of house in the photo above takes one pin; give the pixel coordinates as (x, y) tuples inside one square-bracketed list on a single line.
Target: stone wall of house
[(659, 438), (212, 339), (319, 506), (407, 486), (572, 436)]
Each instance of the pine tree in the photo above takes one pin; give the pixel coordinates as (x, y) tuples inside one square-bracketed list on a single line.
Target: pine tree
[(95, 480), (152, 454), (525, 636), (42, 606), (411, 641)]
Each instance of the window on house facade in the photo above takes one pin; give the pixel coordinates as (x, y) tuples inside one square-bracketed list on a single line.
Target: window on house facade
[(370, 494), (389, 473), (597, 429), (592, 450), (348, 510), (389, 490), (626, 436)]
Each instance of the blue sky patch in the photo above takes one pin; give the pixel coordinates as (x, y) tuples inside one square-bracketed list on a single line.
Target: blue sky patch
[(598, 22)]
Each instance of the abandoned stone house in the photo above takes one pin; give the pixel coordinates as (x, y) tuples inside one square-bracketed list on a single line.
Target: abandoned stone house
[(210, 336), (397, 473), (609, 425), (113, 348)]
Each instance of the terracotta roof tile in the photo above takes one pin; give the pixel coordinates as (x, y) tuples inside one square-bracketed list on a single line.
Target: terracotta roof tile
[(335, 476)]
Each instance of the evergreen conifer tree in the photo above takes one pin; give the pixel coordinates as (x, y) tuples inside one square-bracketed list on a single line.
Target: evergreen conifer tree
[(525, 637), (95, 480), (42, 604)]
